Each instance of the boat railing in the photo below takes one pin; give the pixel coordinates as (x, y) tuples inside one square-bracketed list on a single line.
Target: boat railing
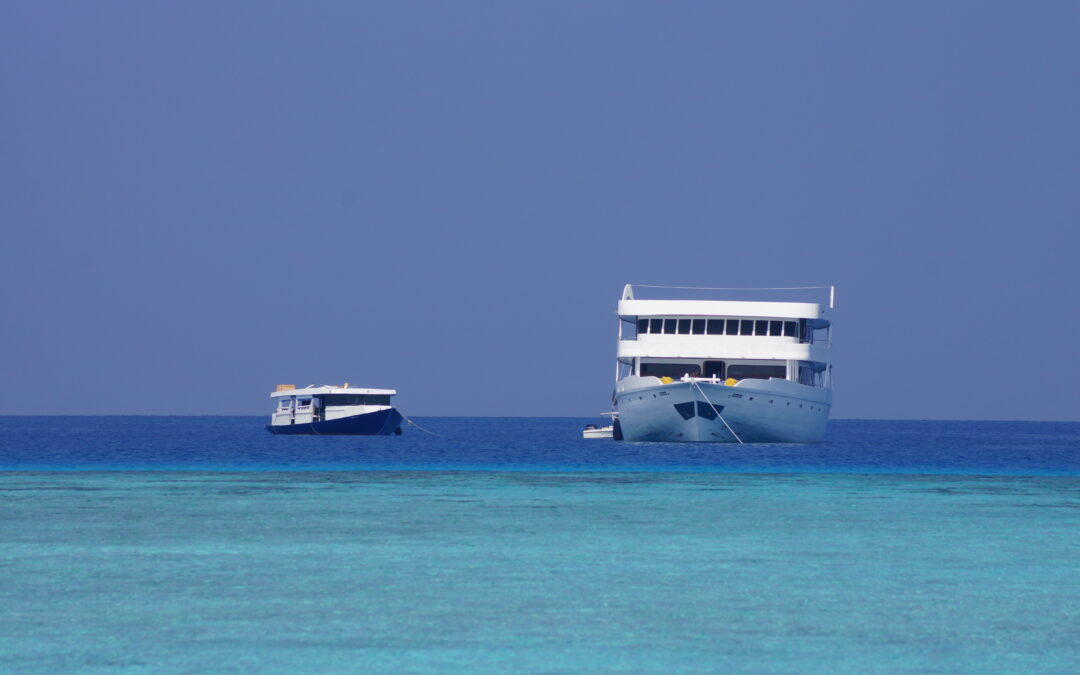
[(715, 379)]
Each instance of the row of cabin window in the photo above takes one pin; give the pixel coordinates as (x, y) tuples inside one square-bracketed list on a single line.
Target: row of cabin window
[(740, 371), (356, 399), (717, 327), (340, 399), (719, 369)]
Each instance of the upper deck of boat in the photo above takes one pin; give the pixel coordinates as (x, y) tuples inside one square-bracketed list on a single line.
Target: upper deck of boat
[(730, 329), (629, 306), (312, 390)]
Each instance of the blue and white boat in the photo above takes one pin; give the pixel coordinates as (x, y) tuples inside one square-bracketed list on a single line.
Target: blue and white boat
[(722, 371), (329, 410)]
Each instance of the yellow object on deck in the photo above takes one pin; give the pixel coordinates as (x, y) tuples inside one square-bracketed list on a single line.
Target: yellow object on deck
[(666, 380), (730, 381), (286, 387)]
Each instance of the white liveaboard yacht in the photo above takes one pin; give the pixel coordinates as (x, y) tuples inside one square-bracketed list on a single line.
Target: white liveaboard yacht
[(330, 410), (722, 371)]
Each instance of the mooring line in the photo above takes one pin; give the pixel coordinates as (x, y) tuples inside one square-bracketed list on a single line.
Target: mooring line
[(706, 397), (409, 420)]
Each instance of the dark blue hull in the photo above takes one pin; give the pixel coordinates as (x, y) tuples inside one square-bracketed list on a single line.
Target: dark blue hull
[(380, 423)]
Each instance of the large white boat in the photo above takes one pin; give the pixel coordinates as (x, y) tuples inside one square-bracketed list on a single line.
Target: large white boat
[(722, 371), (330, 410)]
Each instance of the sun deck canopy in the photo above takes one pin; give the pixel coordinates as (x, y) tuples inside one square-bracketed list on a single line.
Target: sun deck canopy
[(312, 390), (773, 310)]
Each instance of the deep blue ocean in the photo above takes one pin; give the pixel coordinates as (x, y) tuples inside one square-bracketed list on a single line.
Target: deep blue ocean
[(192, 544)]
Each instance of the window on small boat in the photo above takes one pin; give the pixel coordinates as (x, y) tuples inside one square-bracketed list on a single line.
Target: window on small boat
[(753, 372), (356, 399), (285, 403)]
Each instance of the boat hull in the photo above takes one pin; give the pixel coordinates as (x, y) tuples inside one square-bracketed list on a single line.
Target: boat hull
[(378, 423), (756, 411)]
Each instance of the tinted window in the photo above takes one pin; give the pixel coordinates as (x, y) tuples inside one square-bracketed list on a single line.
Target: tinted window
[(762, 328), (776, 327), (673, 370), (304, 401), (685, 409), (684, 326), (732, 326), (656, 325), (642, 326), (791, 329), (707, 410), (756, 372), (746, 328), (714, 369), (356, 399), (699, 327), (716, 327), (669, 326)]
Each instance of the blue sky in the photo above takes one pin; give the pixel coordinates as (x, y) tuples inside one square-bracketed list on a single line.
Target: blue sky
[(200, 200)]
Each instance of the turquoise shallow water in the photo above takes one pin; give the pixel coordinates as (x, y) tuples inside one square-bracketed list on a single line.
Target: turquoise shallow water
[(512, 546), (538, 572)]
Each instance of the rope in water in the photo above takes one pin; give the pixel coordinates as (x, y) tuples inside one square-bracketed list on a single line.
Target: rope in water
[(407, 419)]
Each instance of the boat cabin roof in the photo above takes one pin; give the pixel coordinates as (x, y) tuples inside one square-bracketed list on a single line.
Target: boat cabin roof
[(629, 306), (772, 310), (312, 390)]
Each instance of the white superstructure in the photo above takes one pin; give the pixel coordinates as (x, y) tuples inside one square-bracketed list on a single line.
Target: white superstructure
[(723, 371)]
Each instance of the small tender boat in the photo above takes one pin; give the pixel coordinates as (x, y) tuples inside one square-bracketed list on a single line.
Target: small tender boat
[(593, 431), (333, 410)]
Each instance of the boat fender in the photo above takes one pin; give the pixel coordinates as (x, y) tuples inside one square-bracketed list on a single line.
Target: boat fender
[(731, 382)]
